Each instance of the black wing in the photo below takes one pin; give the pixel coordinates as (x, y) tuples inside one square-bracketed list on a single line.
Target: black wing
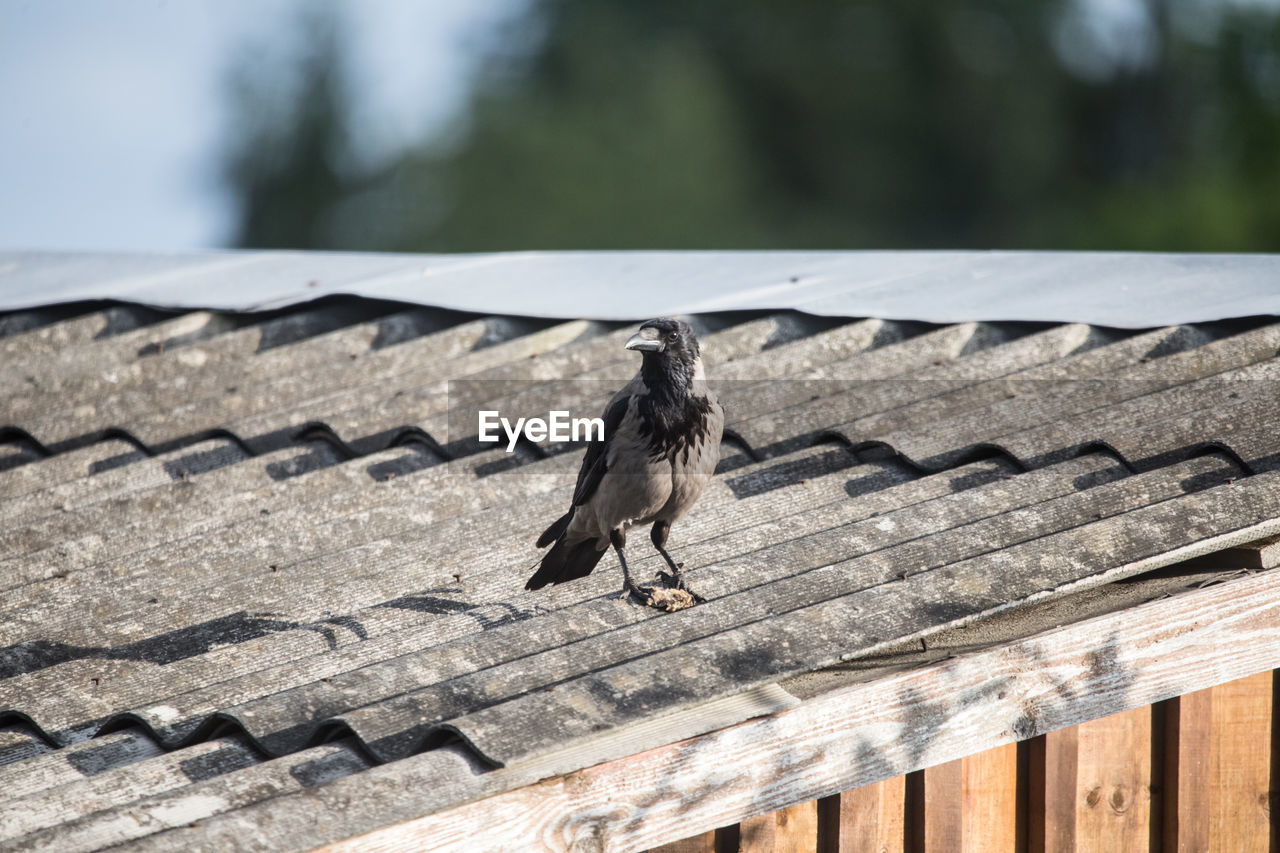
[(594, 464)]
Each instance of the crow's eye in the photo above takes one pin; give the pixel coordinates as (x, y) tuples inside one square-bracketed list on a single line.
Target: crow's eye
[(672, 336)]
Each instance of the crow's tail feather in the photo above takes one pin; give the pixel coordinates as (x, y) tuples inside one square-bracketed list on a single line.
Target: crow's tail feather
[(566, 562), (556, 530)]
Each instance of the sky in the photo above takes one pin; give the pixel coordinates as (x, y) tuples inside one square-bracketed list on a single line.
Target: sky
[(113, 112)]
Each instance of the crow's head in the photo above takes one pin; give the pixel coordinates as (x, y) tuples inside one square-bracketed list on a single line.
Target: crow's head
[(666, 339)]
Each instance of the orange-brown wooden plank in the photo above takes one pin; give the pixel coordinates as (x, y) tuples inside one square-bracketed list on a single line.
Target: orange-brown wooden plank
[(1188, 752), (990, 800), (943, 818), (1113, 783), (704, 843), (1054, 769), (1240, 778), (789, 830), (863, 820), (969, 805), (796, 828)]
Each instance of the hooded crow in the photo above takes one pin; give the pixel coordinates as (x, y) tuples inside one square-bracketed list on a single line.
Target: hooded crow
[(660, 447)]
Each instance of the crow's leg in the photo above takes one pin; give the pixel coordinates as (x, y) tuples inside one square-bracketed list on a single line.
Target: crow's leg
[(629, 587), (659, 536)]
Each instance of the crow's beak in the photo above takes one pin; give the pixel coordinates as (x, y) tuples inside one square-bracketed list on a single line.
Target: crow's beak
[(641, 341)]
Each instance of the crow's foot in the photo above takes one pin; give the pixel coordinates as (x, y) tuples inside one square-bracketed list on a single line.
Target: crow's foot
[(678, 581), (631, 590)]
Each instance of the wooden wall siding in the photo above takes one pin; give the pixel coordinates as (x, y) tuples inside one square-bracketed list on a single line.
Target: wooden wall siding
[(1193, 774)]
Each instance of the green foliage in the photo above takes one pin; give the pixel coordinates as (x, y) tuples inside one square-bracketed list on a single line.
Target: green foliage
[(745, 124)]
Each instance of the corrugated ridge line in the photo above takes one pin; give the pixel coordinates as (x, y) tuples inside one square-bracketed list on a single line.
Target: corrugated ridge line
[(406, 402), (76, 798), (816, 417), (1063, 432), (803, 591), (585, 585), (76, 762), (109, 482), (150, 501), (746, 337), (127, 818), (742, 591), (171, 410), (1003, 421), (587, 363), (272, 520), (65, 467), (76, 331), (911, 369), (145, 358), (468, 601), (519, 547), (944, 398), (756, 333), (822, 634), (45, 373), (20, 742)]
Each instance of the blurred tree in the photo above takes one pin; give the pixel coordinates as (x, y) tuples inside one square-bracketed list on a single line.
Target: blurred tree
[(818, 124), (284, 160)]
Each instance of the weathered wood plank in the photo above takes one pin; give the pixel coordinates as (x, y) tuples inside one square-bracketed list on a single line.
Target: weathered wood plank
[(836, 741), (1240, 774)]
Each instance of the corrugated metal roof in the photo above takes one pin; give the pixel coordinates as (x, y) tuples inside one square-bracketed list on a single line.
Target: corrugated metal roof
[(246, 555), (1130, 290)]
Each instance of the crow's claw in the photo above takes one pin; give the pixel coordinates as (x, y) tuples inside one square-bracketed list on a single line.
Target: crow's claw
[(631, 590)]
